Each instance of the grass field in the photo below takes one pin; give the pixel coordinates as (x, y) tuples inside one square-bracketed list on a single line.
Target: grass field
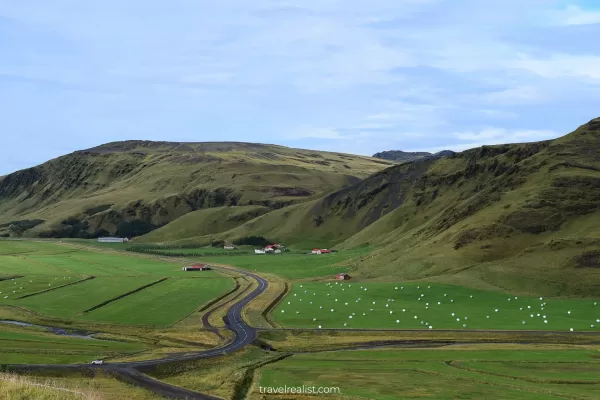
[(71, 300), (64, 385), (163, 304), (63, 281), (290, 265), (26, 286), (131, 300), (458, 372), (26, 346), (423, 305)]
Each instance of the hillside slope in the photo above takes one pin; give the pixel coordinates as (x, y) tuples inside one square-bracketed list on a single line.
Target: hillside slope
[(130, 188), (403, 156), (523, 217)]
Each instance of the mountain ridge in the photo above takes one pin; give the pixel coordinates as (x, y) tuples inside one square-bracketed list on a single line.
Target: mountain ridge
[(404, 156), (109, 188)]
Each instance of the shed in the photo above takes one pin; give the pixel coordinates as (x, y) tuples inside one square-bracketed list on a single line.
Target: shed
[(111, 240), (342, 276)]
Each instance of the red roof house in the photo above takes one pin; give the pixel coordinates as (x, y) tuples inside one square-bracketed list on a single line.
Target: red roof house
[(342, 276)]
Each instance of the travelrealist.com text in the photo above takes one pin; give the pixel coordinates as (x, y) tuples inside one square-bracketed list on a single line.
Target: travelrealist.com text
[(298, 390)]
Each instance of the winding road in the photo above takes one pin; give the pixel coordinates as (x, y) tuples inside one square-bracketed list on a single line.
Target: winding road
[(244, 335)]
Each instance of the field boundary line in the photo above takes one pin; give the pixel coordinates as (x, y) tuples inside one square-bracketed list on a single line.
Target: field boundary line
[(5, 278), (206, 306), (457, 364), (206, 317), (506, 385), (267, 311), (57, 287), (124, 295)]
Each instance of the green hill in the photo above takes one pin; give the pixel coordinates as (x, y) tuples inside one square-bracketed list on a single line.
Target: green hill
[(524, 217), (131, 188), (521, 217), (204, 222)]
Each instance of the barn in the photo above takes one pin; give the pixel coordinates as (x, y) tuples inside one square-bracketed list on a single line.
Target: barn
[(321, 251), (112, 240), (342, 276), (197, 267)]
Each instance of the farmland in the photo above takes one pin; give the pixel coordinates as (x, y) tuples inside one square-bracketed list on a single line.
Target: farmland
[(18, 345), (163, 304), (429, 306), (71, 300), (120, 295), (290, 265), (466, 372)]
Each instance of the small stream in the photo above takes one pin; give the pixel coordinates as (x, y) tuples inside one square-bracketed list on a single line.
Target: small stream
[(59, 331)]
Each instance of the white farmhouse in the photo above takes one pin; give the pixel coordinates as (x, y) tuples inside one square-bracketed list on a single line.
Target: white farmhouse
[(111, 240)]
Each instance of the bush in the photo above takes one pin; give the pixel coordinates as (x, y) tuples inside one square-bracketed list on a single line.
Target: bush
[(251, 241), (134, 228)]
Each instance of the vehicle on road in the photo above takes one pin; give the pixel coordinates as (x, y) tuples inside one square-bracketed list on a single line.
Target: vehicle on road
[(98, 362)]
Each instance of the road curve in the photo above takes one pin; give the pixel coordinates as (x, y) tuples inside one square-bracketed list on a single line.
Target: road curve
[(244, 335)]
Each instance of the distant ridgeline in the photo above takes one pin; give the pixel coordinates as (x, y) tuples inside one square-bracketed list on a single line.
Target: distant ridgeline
[(403, 156), (131, 188)]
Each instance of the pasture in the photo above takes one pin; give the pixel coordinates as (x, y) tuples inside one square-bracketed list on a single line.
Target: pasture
[(429, 306), (65, 282), (23, 346), (163, 304), (68, 301), (492, 371), (290, 265)]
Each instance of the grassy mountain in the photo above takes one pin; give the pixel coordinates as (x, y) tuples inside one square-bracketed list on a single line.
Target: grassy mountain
[(130, 188), (204, 222), (403, 156), (525, 217)]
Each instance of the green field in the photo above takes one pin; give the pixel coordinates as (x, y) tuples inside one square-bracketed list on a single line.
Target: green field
[(525, 373), (91, 278), (24, 346), (203, 251), (18, 287), (290, 265), (163, 304), (71, 300), (421, 305)]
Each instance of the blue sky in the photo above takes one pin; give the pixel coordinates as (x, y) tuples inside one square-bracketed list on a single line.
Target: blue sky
[(354, 75)]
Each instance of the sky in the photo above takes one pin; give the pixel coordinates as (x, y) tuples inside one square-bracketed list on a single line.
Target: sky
[(352, 76)]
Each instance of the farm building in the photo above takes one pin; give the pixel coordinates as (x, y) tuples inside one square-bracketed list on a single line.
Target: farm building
[(229, 247), (197, 267), (342, 277), (112, 240), (321, 251), (259, 251)]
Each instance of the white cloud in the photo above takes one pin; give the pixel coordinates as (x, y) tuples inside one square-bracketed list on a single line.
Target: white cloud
[(560, 65), (502, 135), (357, 73), (516, 95), (314, 133), (575, 15), (488, 136)]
